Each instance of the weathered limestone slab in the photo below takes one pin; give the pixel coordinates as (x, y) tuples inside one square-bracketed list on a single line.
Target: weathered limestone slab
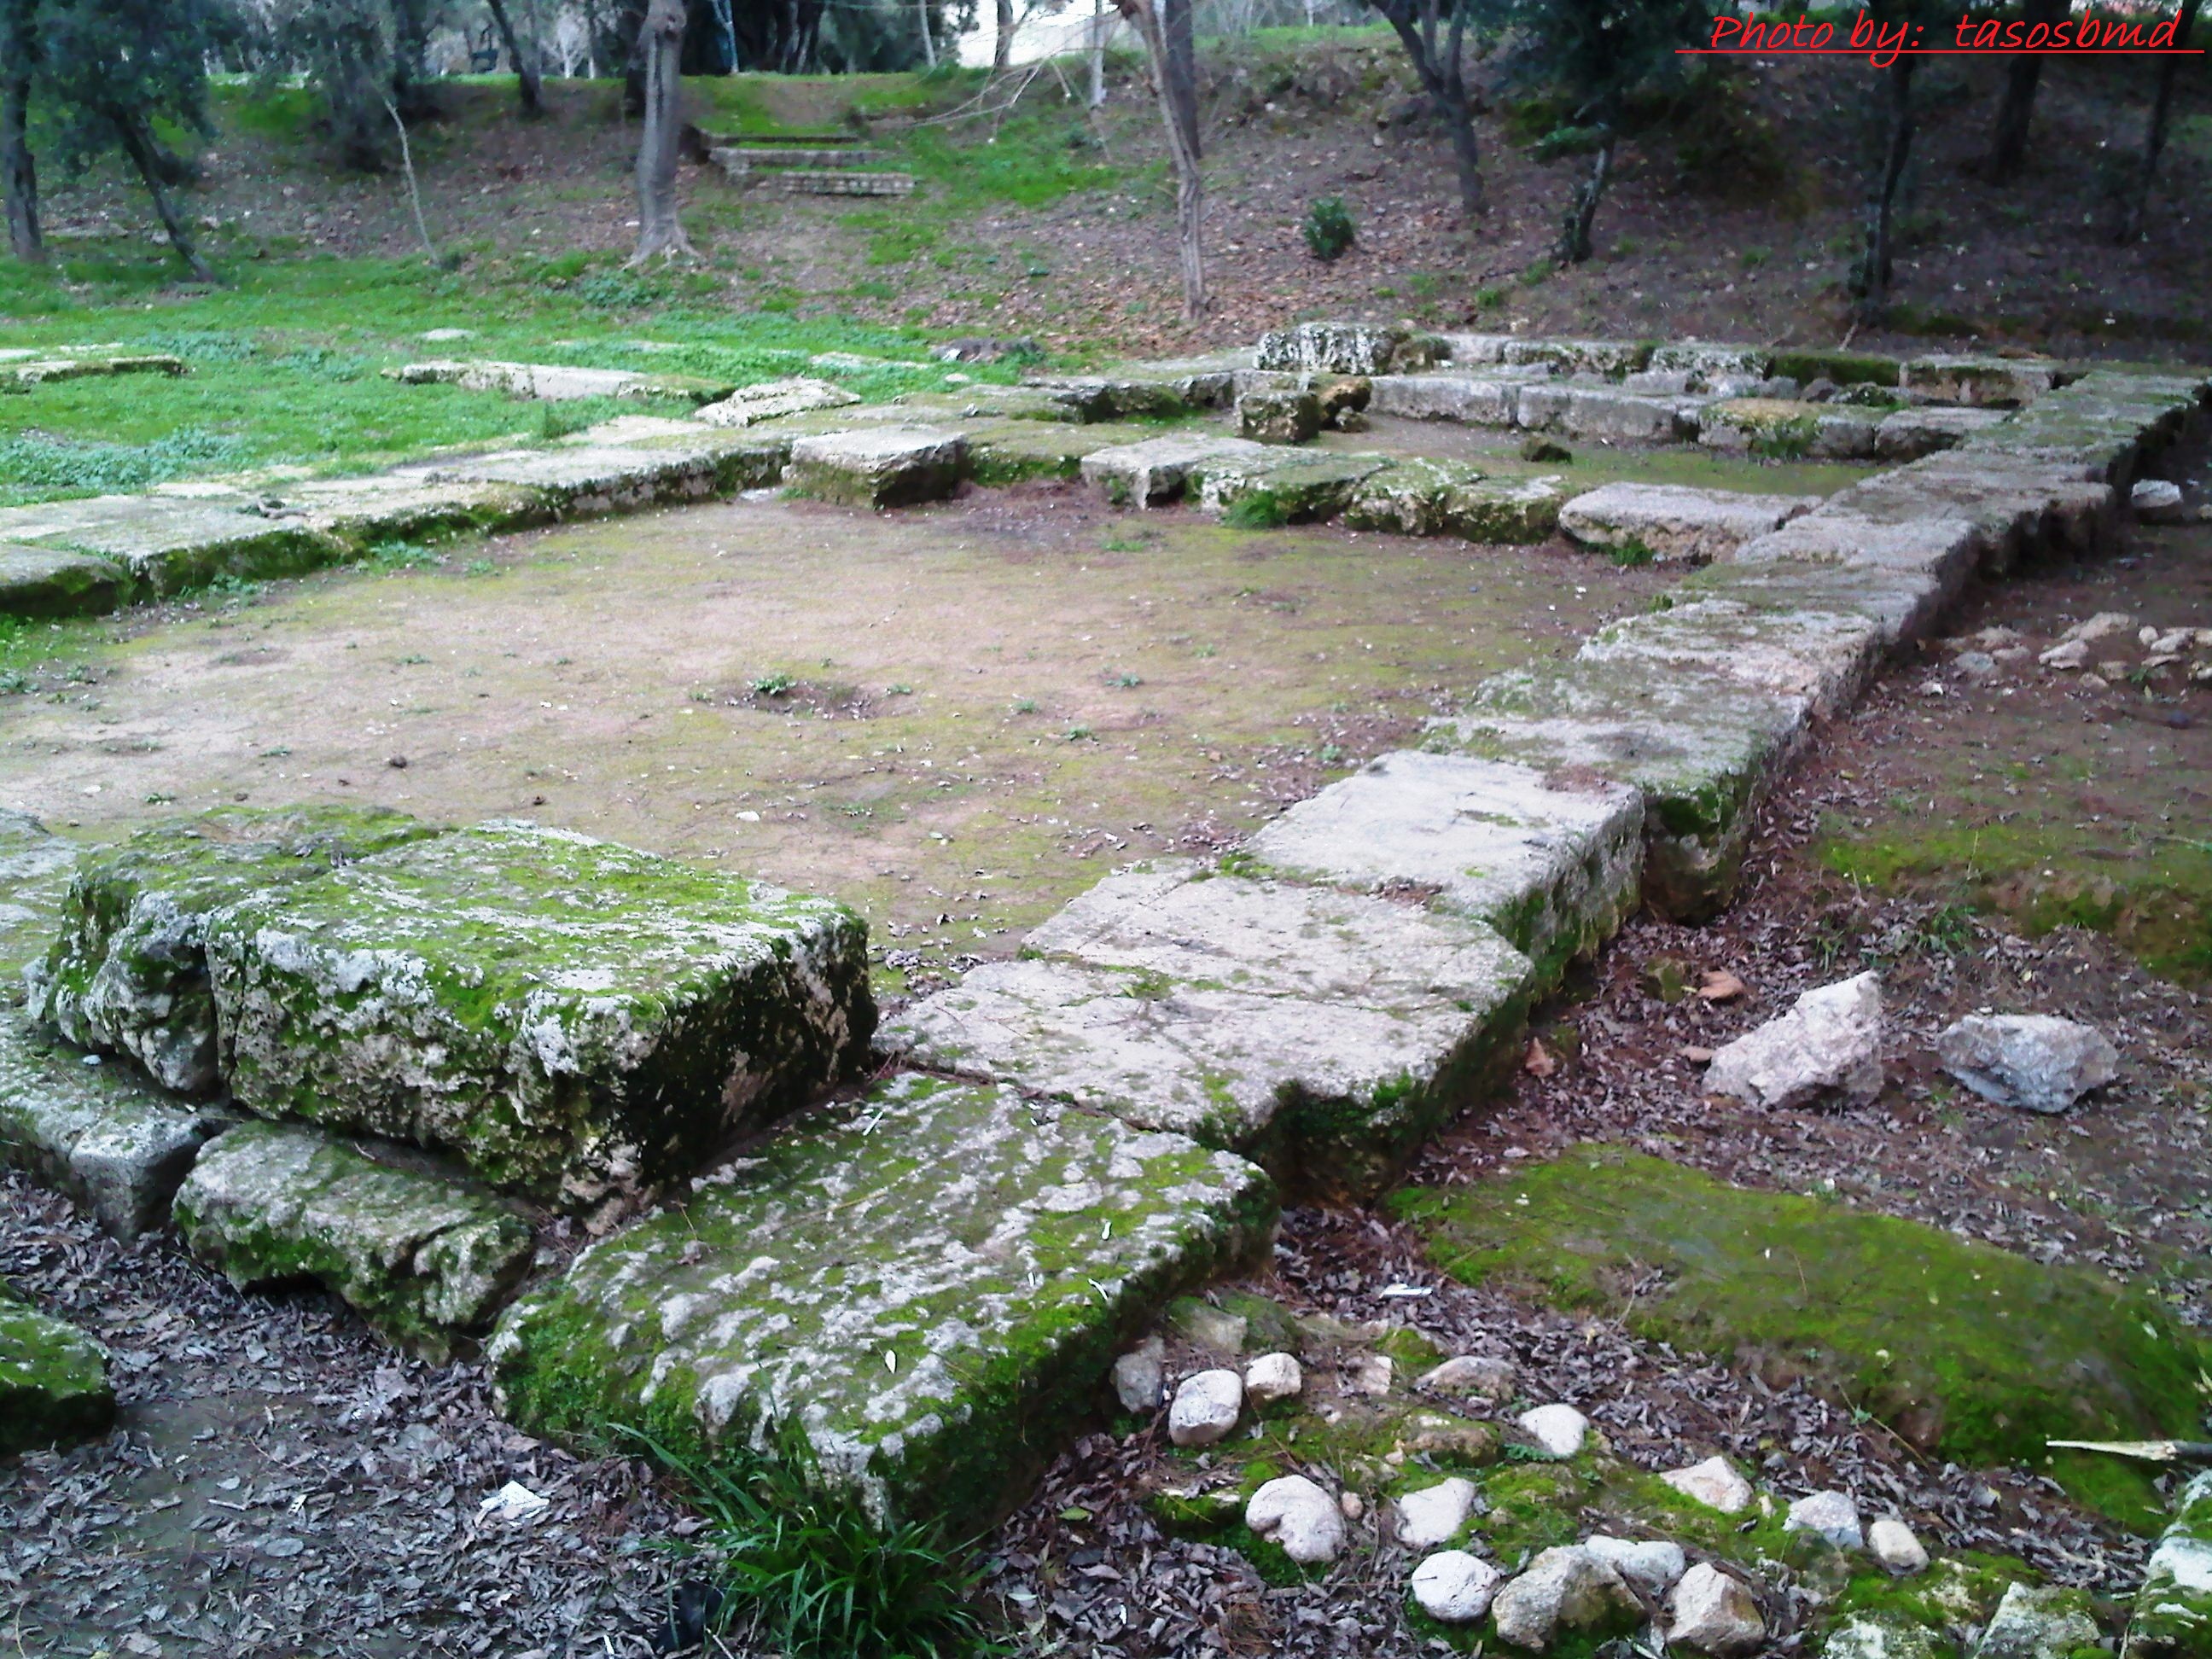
[(1348, 349), (95, 1132), (1286, 486), (558, 382), (1944, 550), (1483, 348), (1147, 391), (43, 581), (35, 865), (2023, 507), (422, 1255), (1824, 657), (1703, 750), (1782, 429), (1612, 358), (128, 974), (1554, 871), (41, 370), (1325, 1034), (2173, 1614), (169, 543), (1705, 360), (1904, 606), (1983, 381), (889, 466), (402, 506), (1005, 451), (569, 1018), (591, 477), (1278, 417), (53, 1380), (978, 402), (1157, 469), (928, 1288), (1468, 399), (1451, 498), (770, 398), (1906, 434), (1625, 417), (1671, 521)]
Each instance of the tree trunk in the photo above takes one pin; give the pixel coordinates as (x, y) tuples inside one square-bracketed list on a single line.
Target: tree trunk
[(1439, 67), (2137, 205), (2016, 109), (1581, 211), (1875, 269), (1182, 150), (928, 41), (526, 64), (19, 172), (1002, 46), (1182, 64), (660, 233), (1097, 90), (139, 144)]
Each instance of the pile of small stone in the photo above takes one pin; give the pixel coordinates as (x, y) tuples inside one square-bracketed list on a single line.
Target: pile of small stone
[(2109, 646)]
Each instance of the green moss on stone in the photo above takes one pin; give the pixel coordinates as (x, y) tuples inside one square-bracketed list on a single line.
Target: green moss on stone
[(53, 1380)]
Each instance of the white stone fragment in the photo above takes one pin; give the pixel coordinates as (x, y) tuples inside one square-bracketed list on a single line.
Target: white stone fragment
[(1435, 1514), (1831, 1514), (2034, 1061), (1830, 1041), (1272, 1376), (1453, 1587), (1893, 1544), (1304, 1522), (1652, 1565), (1480, 1374), (1712, 1612), (770, 398), (1558, 1429), (1714, 1483), (2156, 501), (1205, 1407), (1140, 1378), (2101, 626), (2066, 654), (1567, 1588), (1372, 1374)]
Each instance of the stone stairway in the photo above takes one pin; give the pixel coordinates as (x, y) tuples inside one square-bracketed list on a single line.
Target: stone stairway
[(805, 164)]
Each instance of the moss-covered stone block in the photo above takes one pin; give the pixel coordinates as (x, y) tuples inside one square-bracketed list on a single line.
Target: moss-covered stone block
[(168, 545), (569, 1018), (1278, 486), (1010, 450), (1825, 657), (924, 1289), (421, 1254), (1151, 471), (44, 581), (1782, 429), (1843, 368), (1966, 1350), (1983, 382), (53, 1381), (1349, 349), (128, 972), (880, 466), (2171, 1618), (1411, 497)]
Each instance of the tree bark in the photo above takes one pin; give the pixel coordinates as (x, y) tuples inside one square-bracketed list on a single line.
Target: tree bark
[(2137, 205), (1876, 266), (928, 41), (2016, 109), (660, 233), (1581, 211), (1002, 45), (138, 144), (526, 74), (1097, 89), (1440, 66), (18, 171), (1182, 63), (1183, 151)]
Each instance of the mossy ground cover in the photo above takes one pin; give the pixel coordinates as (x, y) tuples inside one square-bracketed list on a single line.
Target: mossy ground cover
[(1964, 1350)]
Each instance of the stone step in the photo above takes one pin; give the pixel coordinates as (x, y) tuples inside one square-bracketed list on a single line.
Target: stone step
[(559, 382), (1780, 428), (39, 581), (95, 1131), (771, 399), (592, 476), (1555, 870), (424, 1255), (884, 466), (1279, 485), (1453, 498), (735, 158), (1824, 657), (1154, 472), (39, 371), (53, 1380), (1671, 521), (572, 1020), (166, 544), (1325, 1034), (926, 1287), (1349, 349)]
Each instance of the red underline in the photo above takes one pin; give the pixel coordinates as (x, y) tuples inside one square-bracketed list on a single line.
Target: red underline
[(1933, 52)]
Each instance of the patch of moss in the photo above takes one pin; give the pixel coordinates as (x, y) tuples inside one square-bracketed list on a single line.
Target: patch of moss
[(1965, 1349), (1843, 368)]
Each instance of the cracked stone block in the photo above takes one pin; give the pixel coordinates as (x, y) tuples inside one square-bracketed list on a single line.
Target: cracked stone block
[(422, 1254), (1779, 428), (1468, 399), (1945, 550), (1702, 749), (1904, 606), (115, 1144), (1554, 871), (1423, 497), (1325, 1034), (35, 865), (2171, 1618), (167, 543), (44, 581), (1277, 485), (770, 398), (1906, 434), (1278, 417), (1704, 361), (1625, 417), (1348, 349), (1824, 657), (591, 477), (1004, 452), (1611, 358), (569, 1018), (53, 1381), (889, 466), (2024, 508), (926, 1288), (1672, 521), (1154, 470), (558, 382), (127, 973), (1981, 381)]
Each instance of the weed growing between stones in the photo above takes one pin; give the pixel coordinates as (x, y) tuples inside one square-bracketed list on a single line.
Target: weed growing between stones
[(1327, 228), (804, 1570)]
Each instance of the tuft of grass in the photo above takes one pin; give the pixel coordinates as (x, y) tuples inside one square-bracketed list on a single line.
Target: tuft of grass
[(556, 420), (1633, 552)]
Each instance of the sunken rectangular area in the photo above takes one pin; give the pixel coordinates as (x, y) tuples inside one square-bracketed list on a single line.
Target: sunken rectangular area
[(926, 1288), (569, 1018), (1324, 1033)]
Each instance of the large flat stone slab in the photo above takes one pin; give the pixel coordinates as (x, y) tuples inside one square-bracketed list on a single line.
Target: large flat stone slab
[(1944, 550), (53, 1380), (1905, 434), (95, 1131), (1904, 606), (559, 382), (1823, 657), (401, 505), (570, 1018), (35, 865), (1348, 349), (2023, 507), (1326, 1034), (1981, 381), (1703, 749), (770, 398), (1009, 450), (1554, 871), (1779, 428), (168, 543), (1673, 522), (425, 1256), (1155, 471), (1279, 485), (1422, 497), (928, 1288), (887, 466), (127, 973), (45, 582), (595, 477), (1467, 399)]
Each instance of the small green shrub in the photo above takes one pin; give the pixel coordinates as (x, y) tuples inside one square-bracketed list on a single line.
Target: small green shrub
[(1633, 552), (1329, 228), (1258, 511)]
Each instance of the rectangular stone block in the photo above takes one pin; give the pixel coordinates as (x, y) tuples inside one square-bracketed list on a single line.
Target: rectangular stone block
[(1554, 871), (169, 543), (1906, 434), (1155, 471), (572, 1020), (1672, 521), (1284, 485), (2022, 508), (1781, 428), (1324, 1034), (1947, 549), (42, 581), (559, 382), (1611, 358), (53, 1380), (127, 972), (1707, 360), (1625, 417), (576, 479), (889, 466), (1903, 605), (925, 1289), (402, 506), (770, 398), (425, 1256), (1983, 381), (1004, 452), (1348, 349), (1469, 399), (94, 1130), (1825, 657)]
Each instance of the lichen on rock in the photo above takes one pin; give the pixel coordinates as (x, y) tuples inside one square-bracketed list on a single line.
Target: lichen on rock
[(53, 1380)]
